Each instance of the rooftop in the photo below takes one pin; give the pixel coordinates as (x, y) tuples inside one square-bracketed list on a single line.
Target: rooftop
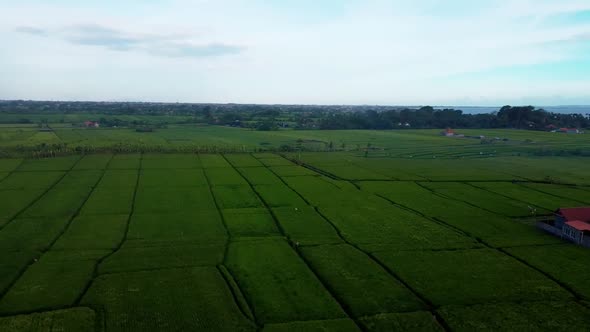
[(579, 225), (575, 214)]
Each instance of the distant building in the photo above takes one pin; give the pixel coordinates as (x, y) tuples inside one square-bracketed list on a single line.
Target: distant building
[(91, 124), (448, 132), (569, 130), (572, 224)]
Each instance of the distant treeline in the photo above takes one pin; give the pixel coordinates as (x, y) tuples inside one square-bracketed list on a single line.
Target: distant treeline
[(522, 117), (269, 117)]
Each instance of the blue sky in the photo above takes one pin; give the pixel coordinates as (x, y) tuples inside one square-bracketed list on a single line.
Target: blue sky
[(390, 52)]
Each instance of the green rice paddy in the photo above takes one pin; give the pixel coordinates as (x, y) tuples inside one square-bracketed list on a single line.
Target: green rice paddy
[(294, 241)]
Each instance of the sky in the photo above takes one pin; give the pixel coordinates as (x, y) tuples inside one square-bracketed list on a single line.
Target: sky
[(395, 52)]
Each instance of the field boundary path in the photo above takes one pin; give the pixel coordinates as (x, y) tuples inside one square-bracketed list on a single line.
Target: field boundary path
[(232, 284), (428, 303), (578, 297), (296, 249), (63, 230), (123, 238)]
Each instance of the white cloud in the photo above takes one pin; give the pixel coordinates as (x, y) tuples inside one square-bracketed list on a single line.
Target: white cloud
[(371, 52)]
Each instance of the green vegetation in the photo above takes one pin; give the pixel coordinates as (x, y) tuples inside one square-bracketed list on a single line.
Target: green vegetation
[(147, 258), (570, 265), (361, 284), (305, 226), (75, 319), (30, 180), (174, 199), (533, 316), (343, 325), (278, 283), (478, 223), (48, 283), (236, 197), (151, 229), (485, 276), (545, 202), (93, 232), (250, 222), (191, 299), (185, 229), (31, 233), (414, 321)]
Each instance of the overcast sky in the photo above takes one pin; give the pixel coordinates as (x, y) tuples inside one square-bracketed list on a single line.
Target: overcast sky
[(403, 52)]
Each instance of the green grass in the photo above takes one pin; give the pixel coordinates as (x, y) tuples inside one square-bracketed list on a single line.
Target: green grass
[(352, 172), (8, 165), (108, 200), (567, 263), (167, 274), (260, 176), (491, 228), (272, 159), (129, 259), (291, 170), (58, 203), (49, 164), (74, 319), (306, 226), (421, 321), (279, 195), (278, 284), (30, 180), (118, 179), (375, 226), (340, 325), (173, 200), (250, 222), (534, 316), (13, 201), (481, 198), (31, 233), (125, 161), (93, 161), (482, 275), (191, 299), (83, 178), (243, 160), (48, 283), (236, 197), (12, 263), (359, 282), (172, 178), (547, 203), (322, 191), (93, 232), (170, 161), (213, 161), (225, 177), (573, 194), (175, 228)]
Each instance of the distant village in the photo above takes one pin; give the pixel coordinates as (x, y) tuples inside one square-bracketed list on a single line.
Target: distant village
[(449, 132)]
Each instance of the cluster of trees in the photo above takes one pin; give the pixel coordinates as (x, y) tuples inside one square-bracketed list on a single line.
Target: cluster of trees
[(272, 117), (525, 117)]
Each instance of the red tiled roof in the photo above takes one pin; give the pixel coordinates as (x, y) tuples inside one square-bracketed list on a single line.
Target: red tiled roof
[(572, 214), (579, 225)]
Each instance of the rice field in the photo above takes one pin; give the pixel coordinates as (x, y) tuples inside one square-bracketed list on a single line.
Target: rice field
[(288, 242)]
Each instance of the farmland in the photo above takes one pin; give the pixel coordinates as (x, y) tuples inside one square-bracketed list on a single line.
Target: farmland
[(220, 232)]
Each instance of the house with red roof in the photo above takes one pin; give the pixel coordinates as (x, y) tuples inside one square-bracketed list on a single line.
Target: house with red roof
[(569, 130), (574, 224)]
